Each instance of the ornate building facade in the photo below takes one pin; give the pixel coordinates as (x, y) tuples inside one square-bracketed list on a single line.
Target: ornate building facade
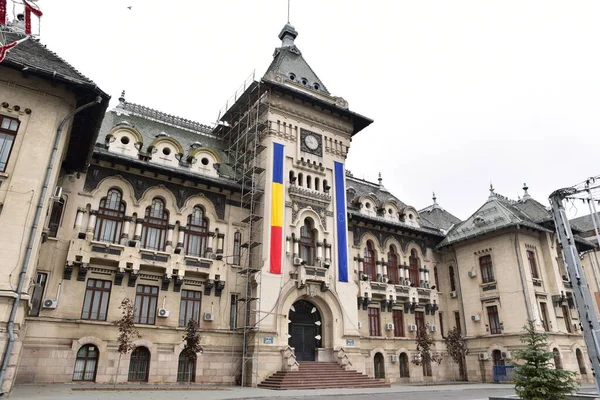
[(255, 229)]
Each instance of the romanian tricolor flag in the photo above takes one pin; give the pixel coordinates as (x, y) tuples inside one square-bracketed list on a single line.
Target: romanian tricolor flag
[(277, 203)]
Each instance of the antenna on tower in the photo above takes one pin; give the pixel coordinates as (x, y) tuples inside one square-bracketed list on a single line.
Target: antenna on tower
[(288, 21)]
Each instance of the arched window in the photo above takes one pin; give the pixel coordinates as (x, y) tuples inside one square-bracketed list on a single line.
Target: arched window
[(557, 361), (292, 177), (111, 213), (308, 242), (86, 363), (154, 230), (435, 276), (196, 233), (497, 358), (369, 261), (300, 179), (325, 186), (379, 366), (452, 281), (237, 242), (580, 362), (392, 267), (317, 182), (139, 365), (413, 268), (308, 181), (186, 368), (404, 371)]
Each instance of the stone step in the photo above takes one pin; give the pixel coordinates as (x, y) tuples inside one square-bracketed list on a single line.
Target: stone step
[(320, 375)]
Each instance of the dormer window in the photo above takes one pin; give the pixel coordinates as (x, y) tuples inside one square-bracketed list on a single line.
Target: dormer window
[(304, 81), (316, 86)]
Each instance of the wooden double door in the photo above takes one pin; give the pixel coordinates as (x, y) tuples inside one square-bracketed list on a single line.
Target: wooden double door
[(304, 330)]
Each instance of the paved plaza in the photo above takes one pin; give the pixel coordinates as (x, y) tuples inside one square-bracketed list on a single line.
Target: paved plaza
[(470, 391)]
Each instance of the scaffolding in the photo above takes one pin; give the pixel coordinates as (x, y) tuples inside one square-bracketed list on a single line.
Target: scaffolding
[(241, 125)]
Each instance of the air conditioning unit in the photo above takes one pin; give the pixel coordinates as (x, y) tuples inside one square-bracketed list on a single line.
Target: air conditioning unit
[(472, 273), (208, 316), (426, 285), (506, 355), (297, 261), (50, 303), (576, 327), (389, 327), (453, 294), (483, 356), (432, 328), (412, 328), (360, 325), (475, 318), (163, 313), (394, 358), (57, 192)]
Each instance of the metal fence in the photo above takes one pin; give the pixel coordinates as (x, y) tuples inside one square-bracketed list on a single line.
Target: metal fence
[(503, 373)]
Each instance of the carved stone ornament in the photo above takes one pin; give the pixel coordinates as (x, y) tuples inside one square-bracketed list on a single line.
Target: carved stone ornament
[(297, 207)]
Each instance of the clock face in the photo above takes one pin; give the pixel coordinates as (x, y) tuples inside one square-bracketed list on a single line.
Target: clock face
[(311, 142)]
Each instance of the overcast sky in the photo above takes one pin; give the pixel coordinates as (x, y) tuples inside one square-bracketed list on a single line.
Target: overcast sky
[(463, 93)]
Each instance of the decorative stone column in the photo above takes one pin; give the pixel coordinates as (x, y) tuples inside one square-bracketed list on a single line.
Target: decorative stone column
[(288, 245), (384, 270), (401, 274), (361, 266), (328, 252), (126, 227), (426, 275), (79, 218), (170, 231), (181, 236), (296, 247), (319, 251), (422, 274), (220, 242), (209, 242), (92, 222), (138, 229), (378, 268)]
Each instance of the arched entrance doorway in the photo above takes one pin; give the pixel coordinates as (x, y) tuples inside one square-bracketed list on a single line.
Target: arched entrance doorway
[(497, 358), (305, 330), (379, 366), (139, 365), (186, 367)]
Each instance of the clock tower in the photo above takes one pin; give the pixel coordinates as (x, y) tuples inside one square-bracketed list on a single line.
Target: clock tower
[(305, 286)]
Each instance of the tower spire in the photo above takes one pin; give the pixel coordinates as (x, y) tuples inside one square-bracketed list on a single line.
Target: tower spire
[(526, 195)]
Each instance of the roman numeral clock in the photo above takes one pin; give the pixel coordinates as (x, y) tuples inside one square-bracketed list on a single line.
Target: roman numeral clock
[(311, 142)]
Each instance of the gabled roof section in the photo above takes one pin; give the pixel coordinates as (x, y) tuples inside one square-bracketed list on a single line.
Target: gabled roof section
[(584, 223), (356, 187), (498, 212), (289, 63)]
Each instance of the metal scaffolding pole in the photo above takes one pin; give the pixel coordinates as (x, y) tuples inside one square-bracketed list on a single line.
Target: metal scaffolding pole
[(583, 298)]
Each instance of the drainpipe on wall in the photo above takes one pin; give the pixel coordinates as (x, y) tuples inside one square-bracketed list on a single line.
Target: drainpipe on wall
[(522, 274), (32, 235)]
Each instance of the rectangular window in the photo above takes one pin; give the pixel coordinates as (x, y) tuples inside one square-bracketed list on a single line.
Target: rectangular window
[(8, 133), (567, 318), (55, 217), (494, 320), (145, 304), (441, 317), (532, 264), (487, 270), (545, 317), (457, 321), (237, 242), (398, 319), (374, 328), (38, 294), (233, 312), (95, 303), (420, 320), (189, 308)]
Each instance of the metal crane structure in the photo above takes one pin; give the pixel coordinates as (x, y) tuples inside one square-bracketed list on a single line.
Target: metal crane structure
[(587, 191)]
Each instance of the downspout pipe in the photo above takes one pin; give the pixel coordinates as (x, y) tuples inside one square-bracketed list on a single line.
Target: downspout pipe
[(32, 235)]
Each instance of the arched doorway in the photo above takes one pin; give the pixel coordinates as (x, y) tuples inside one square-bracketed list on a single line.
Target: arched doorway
[(497, 358), (379, 366), (139, 365), (580, 362), (305, 330), (404, 371), (86, 363), (186, 368), (557, 361)]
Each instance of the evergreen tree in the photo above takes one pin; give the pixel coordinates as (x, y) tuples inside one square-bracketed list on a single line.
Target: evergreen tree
[(537, 378), (456, 345), (127, 331)]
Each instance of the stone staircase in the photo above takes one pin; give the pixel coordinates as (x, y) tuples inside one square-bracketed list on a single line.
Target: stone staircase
[(320, 375)]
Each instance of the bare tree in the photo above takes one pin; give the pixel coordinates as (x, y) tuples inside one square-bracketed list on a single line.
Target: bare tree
[(127, 331), (456, 345), (191, 345)]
